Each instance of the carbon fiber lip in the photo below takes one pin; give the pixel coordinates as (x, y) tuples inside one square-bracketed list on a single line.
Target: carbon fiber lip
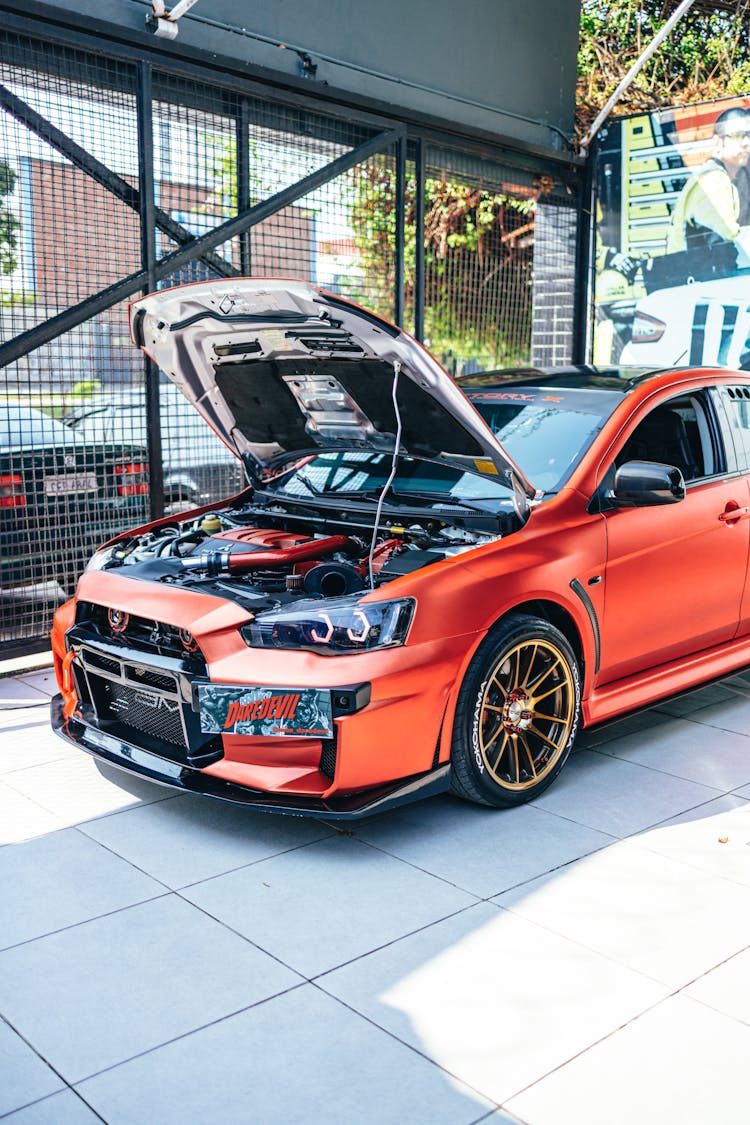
[(133, 760)]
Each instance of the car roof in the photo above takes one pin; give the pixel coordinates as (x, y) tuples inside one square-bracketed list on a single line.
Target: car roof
[(130, 396), (579, 376), (22, 427)]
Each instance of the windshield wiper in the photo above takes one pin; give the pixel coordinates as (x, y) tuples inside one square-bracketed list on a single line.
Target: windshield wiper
[(448, 498), (404, 499), (302, 475)]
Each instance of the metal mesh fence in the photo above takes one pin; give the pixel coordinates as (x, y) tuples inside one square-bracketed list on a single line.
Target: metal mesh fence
[(66, 237), (74, 424), (499, 264), (193, 149), (479, 241)]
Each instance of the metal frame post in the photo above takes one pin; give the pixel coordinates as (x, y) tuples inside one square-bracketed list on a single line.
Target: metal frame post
[(400, 247), (585, 235), (243, 181), (419, 262), (144, 101)]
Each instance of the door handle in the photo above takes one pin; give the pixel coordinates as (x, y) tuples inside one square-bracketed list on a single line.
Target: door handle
[(733, 512)]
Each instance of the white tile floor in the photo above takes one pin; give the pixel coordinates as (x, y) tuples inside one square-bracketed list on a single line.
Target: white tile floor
[(582, 960)]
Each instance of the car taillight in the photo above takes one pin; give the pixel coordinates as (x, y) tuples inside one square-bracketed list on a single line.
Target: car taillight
[(131, 480), (647, 329), (12, 494)]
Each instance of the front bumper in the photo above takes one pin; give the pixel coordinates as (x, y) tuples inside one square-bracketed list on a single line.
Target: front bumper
[(134, 760)]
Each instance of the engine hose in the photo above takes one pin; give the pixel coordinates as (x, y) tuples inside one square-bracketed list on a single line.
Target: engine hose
[(222, 562), (331, 580)]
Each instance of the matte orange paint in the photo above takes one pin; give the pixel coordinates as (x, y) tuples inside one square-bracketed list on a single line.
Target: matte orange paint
[(667, 586)]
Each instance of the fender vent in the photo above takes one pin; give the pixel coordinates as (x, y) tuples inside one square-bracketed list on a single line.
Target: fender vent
[(328, 758)]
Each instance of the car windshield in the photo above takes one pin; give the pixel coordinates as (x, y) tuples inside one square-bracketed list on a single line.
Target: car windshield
[(363, 473), (545, 430)]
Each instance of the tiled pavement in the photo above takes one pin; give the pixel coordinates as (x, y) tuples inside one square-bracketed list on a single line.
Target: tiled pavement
[(585, 959)]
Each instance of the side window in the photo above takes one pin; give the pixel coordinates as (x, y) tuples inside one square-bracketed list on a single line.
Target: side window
[(736, 404), (676, 433)]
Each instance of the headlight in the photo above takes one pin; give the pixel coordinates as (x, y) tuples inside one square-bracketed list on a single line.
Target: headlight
[(332, 627), (99, 559)]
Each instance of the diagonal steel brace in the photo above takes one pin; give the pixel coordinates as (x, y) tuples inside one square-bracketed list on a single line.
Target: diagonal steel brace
[(49, 329), (103, 175)]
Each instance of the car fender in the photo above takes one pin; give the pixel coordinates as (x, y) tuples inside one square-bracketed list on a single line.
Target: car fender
[(561, 548), (584, 633)]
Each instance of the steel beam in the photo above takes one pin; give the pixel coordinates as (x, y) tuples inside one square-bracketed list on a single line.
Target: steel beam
[(148, 261), (243, 180), (582, 292), (419, 265), (99, 172), (124, 288), (400, 206)]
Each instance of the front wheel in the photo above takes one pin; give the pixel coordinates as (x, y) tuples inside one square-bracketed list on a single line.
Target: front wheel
[(517, 714)]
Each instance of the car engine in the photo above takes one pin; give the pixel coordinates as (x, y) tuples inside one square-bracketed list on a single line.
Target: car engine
[(260, 551)]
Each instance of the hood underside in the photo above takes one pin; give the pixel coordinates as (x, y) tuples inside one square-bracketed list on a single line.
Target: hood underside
[(281, 369)]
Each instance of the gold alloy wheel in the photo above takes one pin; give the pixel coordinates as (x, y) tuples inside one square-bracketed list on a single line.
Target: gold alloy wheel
[(526, 714)]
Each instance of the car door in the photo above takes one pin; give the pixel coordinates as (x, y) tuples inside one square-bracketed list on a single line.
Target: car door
[(733, 409), (675, 574)]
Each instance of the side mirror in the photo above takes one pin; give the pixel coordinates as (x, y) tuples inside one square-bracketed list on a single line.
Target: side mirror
[(643, 484)]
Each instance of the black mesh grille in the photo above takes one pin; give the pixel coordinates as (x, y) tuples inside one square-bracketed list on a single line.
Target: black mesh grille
[(146, 677), (145, 711), (328, 759), (105, 663)]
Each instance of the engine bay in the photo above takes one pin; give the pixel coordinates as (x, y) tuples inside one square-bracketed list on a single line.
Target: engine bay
[(264, 551)]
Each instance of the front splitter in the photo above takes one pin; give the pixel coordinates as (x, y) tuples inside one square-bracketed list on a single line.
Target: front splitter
[(142, 763)]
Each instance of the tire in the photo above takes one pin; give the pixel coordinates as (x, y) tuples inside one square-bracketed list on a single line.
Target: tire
[(505, 751)]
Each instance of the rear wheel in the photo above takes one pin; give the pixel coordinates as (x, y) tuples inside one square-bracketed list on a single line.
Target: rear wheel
[(517, 714)]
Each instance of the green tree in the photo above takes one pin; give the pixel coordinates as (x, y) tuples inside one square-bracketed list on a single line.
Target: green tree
[(8, 222), (705, 56), (478, 256), (478, 249)]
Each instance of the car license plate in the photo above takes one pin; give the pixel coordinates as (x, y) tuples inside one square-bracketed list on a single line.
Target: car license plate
[(64, 484), (267, 712)]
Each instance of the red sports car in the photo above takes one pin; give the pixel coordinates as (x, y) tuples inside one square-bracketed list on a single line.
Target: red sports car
[(425, 586)]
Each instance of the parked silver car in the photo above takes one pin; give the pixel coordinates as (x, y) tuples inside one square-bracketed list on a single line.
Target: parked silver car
[(198, 467)]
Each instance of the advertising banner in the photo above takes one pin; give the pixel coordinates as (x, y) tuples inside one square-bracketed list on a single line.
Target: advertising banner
[(672, 265)]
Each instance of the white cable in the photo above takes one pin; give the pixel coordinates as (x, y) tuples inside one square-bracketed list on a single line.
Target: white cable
[(180, 9), (394, 463)]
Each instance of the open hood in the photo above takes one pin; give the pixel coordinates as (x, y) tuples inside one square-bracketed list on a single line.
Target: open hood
[(281, 369)]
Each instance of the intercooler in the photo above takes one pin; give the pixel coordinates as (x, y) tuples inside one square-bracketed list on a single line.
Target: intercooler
[(146, 706)]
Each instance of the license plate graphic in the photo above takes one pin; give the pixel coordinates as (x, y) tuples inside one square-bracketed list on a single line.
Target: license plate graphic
[(266, 712), (63, 484)]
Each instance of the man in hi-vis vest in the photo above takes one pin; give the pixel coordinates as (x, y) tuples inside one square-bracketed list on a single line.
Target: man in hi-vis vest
[(706, 213)]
